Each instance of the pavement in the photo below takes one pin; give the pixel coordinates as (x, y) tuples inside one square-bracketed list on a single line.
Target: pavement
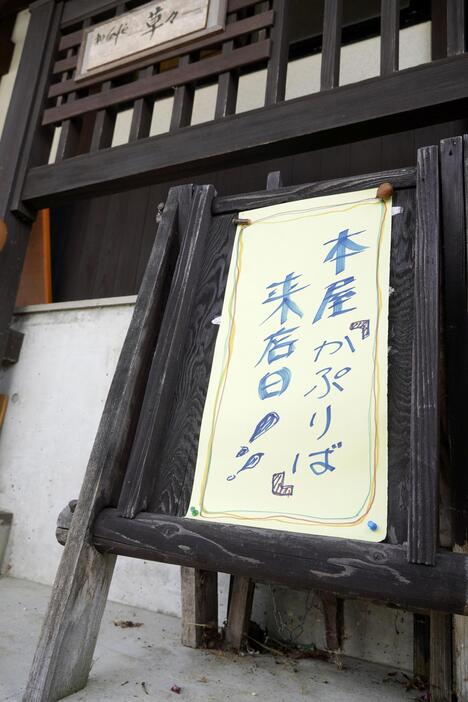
[(145, 661)]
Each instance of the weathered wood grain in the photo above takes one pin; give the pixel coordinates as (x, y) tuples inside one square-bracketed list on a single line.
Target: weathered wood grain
[(241, 593), (424, 457), (176, 461), (141, 473), (199, 589), (64, 654), (400, 178), (378, 572), (400, 341)]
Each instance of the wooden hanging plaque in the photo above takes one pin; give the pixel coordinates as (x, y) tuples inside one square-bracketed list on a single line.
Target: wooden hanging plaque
[(147, 30)]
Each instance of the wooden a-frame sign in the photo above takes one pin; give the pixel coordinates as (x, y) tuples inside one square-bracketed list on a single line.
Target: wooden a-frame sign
[(139, 479)]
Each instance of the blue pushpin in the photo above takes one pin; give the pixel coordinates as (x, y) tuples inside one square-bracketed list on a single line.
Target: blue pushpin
[(372, 525)]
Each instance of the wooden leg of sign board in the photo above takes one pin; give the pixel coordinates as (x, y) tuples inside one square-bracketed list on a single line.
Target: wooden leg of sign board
[(241, 590), (66, 645), (199, 590), (440, 676), (421, 646), (333, 613)]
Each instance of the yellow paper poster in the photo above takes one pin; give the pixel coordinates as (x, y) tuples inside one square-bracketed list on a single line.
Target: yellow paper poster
[(294, 430)]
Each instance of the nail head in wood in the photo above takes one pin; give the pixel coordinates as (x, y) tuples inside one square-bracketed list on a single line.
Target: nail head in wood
[(385, 191)]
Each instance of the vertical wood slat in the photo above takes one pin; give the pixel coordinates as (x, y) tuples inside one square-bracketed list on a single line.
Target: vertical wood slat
[(454, 243), (199, 590), (140, 475), (438, 29), (440, 676), (183, 101), (389, 36), (228, 83), (278, 62), (424, 449), (71, 128), (142, 111), (104, 123), (455, 27), (331, 44), (421, 646), (241, 594), (84, 575)]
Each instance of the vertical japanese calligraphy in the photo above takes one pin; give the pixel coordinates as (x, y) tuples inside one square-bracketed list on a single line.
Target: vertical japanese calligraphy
[(294, 431)]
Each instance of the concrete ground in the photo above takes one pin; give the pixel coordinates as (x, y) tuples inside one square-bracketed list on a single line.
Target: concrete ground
[(144, 662)]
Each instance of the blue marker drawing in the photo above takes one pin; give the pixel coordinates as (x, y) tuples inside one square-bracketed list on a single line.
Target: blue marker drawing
[(343, 247), (242, 451), (264, 425), (268, 387), (251, 463)]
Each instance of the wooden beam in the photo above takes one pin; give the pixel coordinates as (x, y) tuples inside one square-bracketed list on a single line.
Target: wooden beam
[(285, 128), (64, 654), (400, 178), (378, 572), (425, 448)]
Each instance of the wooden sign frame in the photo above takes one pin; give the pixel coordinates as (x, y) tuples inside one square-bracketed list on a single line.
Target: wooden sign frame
[(136, 491)]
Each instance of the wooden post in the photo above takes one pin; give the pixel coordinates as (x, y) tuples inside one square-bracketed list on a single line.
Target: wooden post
[(199, 606), (441, 657), (23, 144), (68, 638)]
